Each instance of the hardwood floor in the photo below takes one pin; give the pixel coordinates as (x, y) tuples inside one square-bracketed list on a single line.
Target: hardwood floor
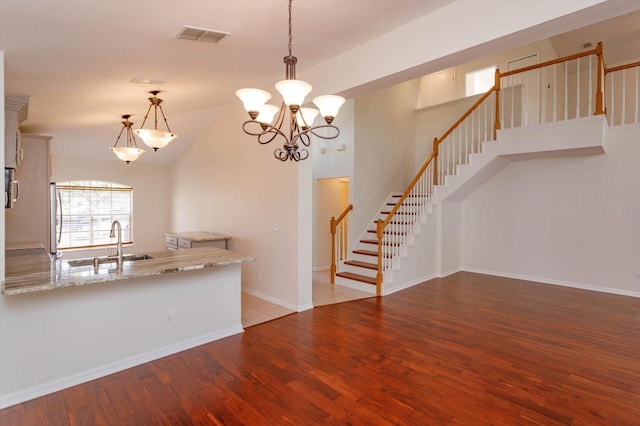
[(467, 349)]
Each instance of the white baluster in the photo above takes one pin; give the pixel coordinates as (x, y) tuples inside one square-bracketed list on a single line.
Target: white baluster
[(555, 93), (624, 97), (566, 90), (637, 88), (590, 85)]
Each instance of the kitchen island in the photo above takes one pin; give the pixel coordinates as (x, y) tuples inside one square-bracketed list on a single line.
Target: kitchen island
[(65, 322), (30, 269)]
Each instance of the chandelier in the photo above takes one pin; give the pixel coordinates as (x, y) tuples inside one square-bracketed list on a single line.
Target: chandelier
[(131, 152), (155, 138), (301, 128)]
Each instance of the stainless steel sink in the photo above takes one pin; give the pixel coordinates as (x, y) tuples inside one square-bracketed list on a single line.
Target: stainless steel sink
[(90, 261)]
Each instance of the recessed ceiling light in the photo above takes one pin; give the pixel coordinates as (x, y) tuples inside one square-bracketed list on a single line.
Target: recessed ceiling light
[(146, 80)]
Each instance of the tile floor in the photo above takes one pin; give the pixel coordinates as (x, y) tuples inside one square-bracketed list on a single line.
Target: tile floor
[(256, 310)]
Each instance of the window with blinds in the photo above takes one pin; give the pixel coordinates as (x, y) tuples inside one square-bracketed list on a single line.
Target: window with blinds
[(87, 209)]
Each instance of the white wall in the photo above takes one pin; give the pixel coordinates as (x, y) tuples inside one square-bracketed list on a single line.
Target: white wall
[(226, 182), (334, 163), (573, 221), (2, 234), (327, 205), (152, 197), (384, 156)]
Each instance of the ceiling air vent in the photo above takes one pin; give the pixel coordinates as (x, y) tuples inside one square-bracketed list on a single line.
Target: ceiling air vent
[(201, 34)]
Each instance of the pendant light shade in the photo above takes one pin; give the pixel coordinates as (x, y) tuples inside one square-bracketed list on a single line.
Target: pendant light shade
[(306, 116), (266, 113), (127, 154), (253, 99), (293, 91), (328, 106), (130, 152), (155, 138)]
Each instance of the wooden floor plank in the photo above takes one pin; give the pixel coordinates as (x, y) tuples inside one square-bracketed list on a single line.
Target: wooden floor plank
[(466, 349)]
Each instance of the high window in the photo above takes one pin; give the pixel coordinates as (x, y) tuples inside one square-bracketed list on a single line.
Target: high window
[(479, 81), (86, 210)]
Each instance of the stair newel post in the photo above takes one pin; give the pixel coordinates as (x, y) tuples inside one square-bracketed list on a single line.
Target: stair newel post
[(435, 161), (599, 95), (496, 125), (333, 250), (379, 276)]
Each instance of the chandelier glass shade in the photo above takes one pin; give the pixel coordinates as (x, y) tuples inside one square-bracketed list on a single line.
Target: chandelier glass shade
[(155, 138), (267, 121), (130, 152)]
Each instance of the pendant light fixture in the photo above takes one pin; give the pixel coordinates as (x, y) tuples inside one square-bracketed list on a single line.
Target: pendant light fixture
[(155, 138), (263, 125), (131, 152)]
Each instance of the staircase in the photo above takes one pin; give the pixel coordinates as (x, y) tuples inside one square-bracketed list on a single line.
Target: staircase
[(582, 136), (413, 235), (360, 270)]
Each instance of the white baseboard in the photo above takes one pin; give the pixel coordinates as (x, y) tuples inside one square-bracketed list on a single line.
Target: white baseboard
[(321, 268), (113, 367), (556, 282), (276, 301), (389, 290), (449, 272)]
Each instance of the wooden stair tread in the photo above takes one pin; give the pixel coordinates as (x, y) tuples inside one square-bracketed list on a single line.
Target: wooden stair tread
[(360, 264), (373, 231), (357, 277), (376, 242), (398, 212), (366, 252)]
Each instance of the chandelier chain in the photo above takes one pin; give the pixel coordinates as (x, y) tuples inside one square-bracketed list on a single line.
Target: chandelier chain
[(290, 23)]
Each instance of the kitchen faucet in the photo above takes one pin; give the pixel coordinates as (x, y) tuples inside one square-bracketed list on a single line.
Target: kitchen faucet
[(119, 244)]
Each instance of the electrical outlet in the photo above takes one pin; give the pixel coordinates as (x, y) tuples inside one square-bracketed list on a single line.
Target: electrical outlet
[(276, 227), (170, 317), (638, 275)]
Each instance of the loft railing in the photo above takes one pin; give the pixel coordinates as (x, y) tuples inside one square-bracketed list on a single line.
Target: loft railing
[(574, 87), (622, 94), (339, 240)]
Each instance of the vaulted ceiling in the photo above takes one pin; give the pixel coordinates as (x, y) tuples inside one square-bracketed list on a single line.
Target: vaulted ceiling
[(76, 58)]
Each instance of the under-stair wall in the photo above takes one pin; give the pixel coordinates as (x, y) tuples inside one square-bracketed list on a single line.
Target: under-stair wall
[(573, 221)]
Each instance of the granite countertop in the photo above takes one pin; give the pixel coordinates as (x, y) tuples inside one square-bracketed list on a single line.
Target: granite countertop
[(198, 236), (31, 269)]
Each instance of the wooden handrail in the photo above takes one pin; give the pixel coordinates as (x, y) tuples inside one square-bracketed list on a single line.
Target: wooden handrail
[(333, 227), (551, 62), (466, 114), (386, 221), (622, 67)]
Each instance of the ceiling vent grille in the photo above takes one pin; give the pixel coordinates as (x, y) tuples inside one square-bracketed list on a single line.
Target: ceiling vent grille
[(201, 34)]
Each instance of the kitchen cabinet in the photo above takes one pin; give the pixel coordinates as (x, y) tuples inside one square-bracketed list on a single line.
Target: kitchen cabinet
[(16, 111), (28, 219), (187, 240), (13, 152)]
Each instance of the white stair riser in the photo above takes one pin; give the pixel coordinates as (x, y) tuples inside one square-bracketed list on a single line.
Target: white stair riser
[(356, 285), (364, 258), (360, 270)]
